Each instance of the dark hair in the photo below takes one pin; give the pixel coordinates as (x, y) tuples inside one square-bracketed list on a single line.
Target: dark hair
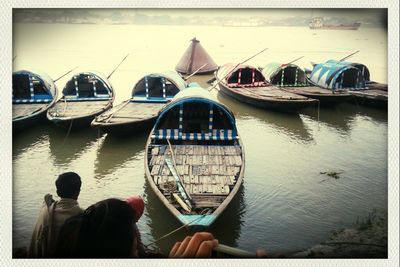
[(105, 230), (68, 185)]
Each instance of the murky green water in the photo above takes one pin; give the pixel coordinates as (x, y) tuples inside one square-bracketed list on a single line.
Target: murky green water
[(285, 203)]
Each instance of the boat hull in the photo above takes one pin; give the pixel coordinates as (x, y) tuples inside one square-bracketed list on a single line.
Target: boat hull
[(324, 96), (29, 121), (371, 98), (127, 128), (289, 106)]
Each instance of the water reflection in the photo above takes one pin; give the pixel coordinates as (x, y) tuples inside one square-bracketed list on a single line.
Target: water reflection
[(341, 116), (65, 147), (114, 152), (288, 124), (160, 221), (29, 138)]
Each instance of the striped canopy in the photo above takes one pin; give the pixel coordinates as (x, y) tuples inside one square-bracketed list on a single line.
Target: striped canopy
[(159, 86), (242, 75), (32, 87), (88, 85), (335, 75), (284, 74), (195, 115)]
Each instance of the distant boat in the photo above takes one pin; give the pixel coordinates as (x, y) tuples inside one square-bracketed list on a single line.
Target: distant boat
[(247, 84), (86, 95), (292, 78), (195, 58), (194, 159), (317, 23), (150, 94), (33, 93)]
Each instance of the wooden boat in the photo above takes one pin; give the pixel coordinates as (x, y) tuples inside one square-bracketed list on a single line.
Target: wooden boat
[(86, 95), (292, 78), (247, 84), (149, 96), (33, 94), (194, 159), (354, 78)]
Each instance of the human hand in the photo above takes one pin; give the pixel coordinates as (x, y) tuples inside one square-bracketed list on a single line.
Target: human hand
[(198, 246)]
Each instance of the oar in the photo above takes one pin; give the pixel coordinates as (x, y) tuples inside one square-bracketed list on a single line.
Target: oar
[(349, 55), (195, 71), (292, 61), (14, 58), (108, 77), (65, 74), (235, 68)]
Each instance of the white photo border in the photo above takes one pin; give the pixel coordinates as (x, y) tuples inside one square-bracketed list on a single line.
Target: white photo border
[(6, 128)]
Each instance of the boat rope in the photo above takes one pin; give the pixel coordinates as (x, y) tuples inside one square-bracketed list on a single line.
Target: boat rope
[(68, 132), (219, 80), (175, 230), (318, 113)]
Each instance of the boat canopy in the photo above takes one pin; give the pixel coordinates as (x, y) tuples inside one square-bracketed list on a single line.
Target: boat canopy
[(32, 87), (284, 74), (242, 75), (88, 85), (335, 74), (160, 86), (195, 57), (194, 114)]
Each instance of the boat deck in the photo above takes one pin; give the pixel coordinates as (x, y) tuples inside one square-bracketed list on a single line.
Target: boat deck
[(371, 93), (22, 110), (208, 172), (130, 111), (77, 108), (268, 93)]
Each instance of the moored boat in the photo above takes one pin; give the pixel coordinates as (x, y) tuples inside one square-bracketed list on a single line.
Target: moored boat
[(85, 95), (292, 78), (149, 95), (247, 84), (33, 93), (353, 78), (194, 159)]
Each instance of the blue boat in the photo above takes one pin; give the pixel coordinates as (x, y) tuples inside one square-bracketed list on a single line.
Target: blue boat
[(194, 159), (33, 93), (149, 95), (292, 78), (85, 95)]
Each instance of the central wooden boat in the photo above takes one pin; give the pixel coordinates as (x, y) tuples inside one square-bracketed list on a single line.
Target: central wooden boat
[(86, 95), (247, 84), (292, 78), (150, 94), (33, 94), (194, 158)]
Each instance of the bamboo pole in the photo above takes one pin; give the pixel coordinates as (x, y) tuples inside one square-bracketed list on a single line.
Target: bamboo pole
[(65, 74), (196, 71), (108, 77)]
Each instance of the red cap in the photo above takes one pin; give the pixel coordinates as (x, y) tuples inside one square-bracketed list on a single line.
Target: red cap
[(137, 205)]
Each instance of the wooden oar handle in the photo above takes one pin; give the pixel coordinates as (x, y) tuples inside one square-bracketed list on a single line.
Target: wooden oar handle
[(236, 252)]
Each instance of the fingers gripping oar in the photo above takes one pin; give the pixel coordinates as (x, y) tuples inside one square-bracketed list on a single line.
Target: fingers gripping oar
[(349, 55), (65, 74), (108, 77), (196, 71), (233, 69)]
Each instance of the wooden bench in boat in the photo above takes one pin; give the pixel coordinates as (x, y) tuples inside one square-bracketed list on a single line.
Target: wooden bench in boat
[(76, 108)]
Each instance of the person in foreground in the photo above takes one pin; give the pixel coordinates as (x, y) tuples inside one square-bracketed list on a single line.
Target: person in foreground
[(108, 229), (53, 215)]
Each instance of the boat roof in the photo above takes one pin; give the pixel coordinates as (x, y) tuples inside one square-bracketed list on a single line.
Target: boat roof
[(171, 75), (42, 76), (227, 70), (196, 94), (327, 74), (100, 76), (195, 57)]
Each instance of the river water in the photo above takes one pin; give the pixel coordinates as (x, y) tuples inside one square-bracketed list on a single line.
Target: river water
[(285, 203)]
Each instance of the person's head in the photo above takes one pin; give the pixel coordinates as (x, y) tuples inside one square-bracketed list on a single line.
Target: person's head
[(137, 204), (68, 185), (108, 230)]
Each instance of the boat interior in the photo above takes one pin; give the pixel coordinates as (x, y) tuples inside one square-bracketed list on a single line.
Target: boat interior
[(155, 86), (292, 76), (195, 145), (247, 77), (85, 86)]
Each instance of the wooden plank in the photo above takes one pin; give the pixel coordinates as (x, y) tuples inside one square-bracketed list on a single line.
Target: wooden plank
[(155, 151), (165, 170), (155, 170)]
